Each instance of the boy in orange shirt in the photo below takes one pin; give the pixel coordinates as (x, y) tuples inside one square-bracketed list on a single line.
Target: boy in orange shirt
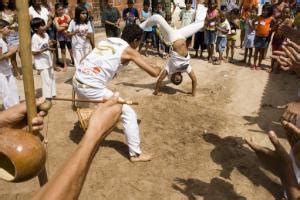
[(263, 25)]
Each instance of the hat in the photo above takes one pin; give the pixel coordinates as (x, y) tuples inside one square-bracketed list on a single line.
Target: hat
[(130, 2)]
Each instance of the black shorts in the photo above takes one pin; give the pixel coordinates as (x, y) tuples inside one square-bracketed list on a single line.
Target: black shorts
[(147, 37), (63, 44)]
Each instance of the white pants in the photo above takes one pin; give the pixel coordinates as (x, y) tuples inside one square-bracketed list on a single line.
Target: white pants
[(8, 91), (48, 82), (168, 34), (128, 116), (78, 54)]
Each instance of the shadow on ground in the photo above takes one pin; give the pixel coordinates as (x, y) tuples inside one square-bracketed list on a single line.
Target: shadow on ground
[(231, 154)]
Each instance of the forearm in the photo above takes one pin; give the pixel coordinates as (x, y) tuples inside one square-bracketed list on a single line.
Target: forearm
[(289, 182), (68, 181), (194, 86), (38, 52), (92, 39), (109, 23)]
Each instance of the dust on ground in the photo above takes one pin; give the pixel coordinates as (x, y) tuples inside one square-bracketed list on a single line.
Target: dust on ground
[(197, 142)]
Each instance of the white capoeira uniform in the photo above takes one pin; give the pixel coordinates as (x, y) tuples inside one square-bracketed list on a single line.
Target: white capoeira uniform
[(81, 45), (176, 63), (8, 84), (44, 63), (90, 79)]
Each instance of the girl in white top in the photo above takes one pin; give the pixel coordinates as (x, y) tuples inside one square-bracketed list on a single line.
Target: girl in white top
[(8, 86), (82, 34), (38, 10), (41, 50)]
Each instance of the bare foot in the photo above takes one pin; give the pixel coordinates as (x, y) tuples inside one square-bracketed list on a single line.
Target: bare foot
[(141, 158), (156, 93), (57, 69)]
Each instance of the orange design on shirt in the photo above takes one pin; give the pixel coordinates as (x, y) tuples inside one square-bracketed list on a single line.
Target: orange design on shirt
[(96, 70), (263, 26)]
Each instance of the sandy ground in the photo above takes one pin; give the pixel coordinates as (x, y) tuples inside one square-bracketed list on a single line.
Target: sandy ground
[(197, 141)]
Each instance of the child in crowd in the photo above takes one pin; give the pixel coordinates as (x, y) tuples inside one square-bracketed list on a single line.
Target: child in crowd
[(147, 35), (233, 19), (249, 36), (263, 27), (130, 14), (157, 41), (210, 32), (8, 86), (8, 13), (278, 38), (41, 50), (187, 16), (222, 27), (61, 22), (81, 30)]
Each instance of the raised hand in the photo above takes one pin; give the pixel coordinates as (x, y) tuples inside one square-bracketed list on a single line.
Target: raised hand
[(274, 160)]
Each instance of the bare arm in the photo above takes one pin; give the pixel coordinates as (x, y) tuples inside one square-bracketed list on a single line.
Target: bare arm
[(132, 55), (7, 55), (162, 76), (91, 36), (57, 26), (68, 180), (194, 82)]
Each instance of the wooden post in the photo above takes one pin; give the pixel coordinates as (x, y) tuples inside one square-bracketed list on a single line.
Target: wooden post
[(26, 60)]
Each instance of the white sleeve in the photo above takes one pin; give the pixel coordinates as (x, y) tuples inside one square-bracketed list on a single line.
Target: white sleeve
[(90, 28), (35, 44), (71, 27), (30, 11)]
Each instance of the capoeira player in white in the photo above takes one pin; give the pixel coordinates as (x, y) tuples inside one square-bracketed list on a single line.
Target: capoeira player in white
[(179, 57), (101, 65)]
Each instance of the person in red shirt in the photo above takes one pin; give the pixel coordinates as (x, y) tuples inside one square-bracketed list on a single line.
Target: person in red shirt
[(263, 25)]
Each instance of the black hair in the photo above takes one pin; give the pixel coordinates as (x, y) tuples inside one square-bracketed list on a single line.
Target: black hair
[(36, 23), (188, 1), (11, 5), (174, 80), (146, 3), (132, 32), (58, 5), (3, 23), (269, 8), (78, 11)]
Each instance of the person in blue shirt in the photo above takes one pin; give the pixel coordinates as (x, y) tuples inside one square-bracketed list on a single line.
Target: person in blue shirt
[(130, 14)]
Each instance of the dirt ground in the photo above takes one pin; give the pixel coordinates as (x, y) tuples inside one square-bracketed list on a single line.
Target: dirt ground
[(197, 142)]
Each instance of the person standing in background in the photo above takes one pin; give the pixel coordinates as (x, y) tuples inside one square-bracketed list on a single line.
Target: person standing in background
[(130, 14), (199, 36), (8, 13), (187, 16), (111, 18)]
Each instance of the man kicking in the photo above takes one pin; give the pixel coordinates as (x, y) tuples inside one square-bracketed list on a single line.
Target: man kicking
[(179, 61), (101, 65)]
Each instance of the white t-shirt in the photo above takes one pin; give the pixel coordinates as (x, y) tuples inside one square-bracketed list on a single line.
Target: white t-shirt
[(187, 17), (102, 64), (224, 25), (178, 63), (44, 13), (43, 60), (200, 15), (80, 40), (5, 65)]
